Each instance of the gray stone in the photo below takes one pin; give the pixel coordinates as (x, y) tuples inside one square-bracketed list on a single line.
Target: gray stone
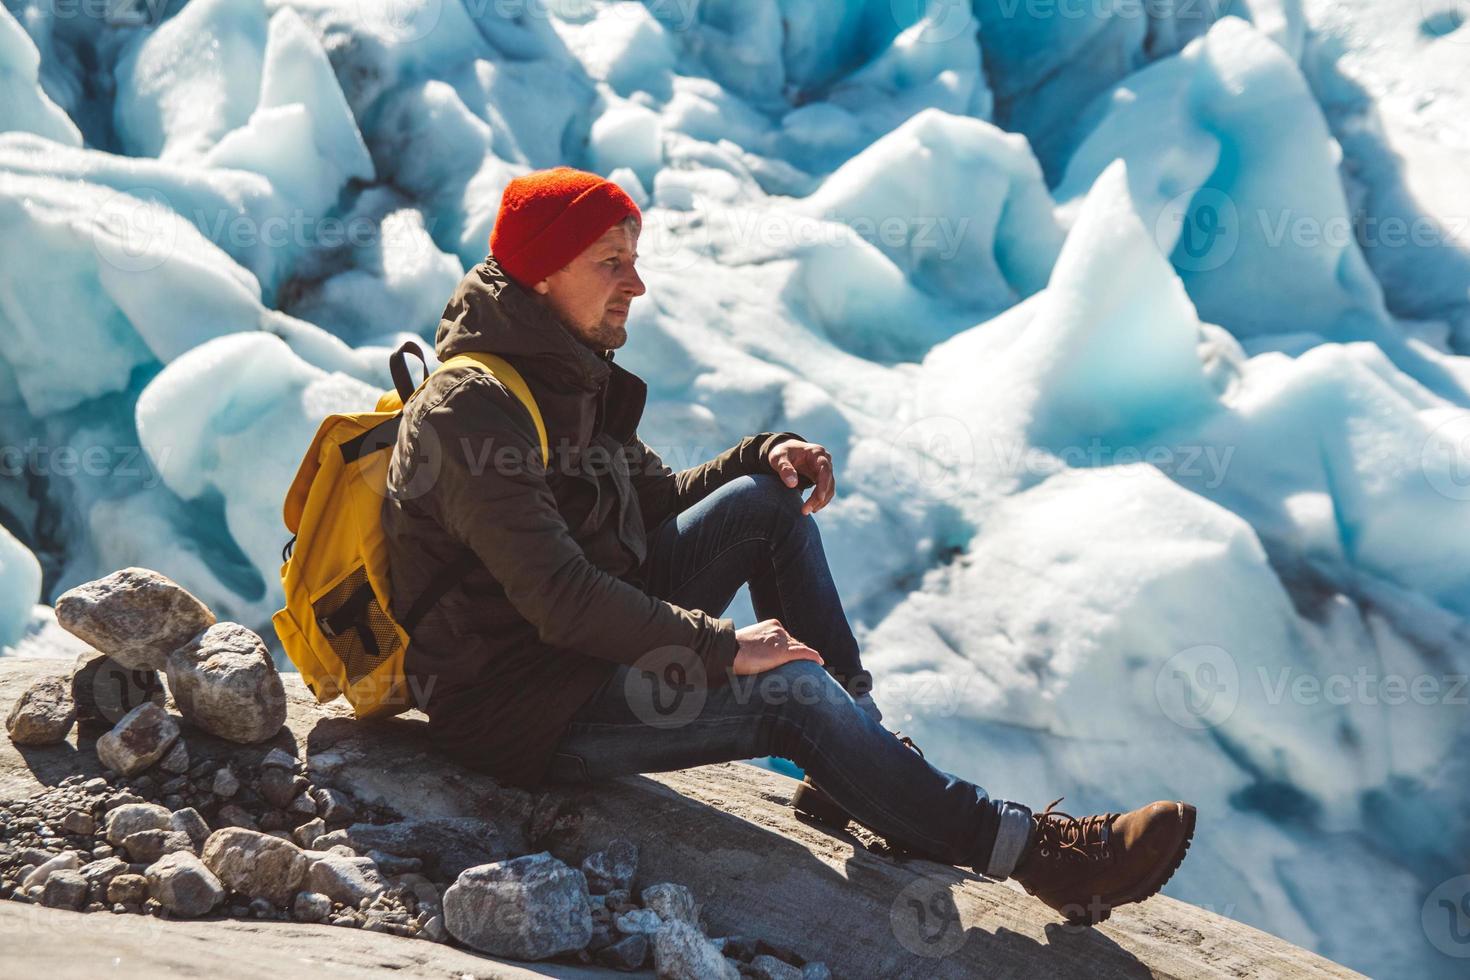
[(135, 615), (128, 889), (255, 864), (147, 846), (738, 947), (311, 907), (348, 880), (672, 901), (627, 953), (99, 873), (638, 921), (130, 818), (434, 929), (225, 682), (191, 822), (78, 822), (233, 815), (307, 834), (682, 952), (393, 864), (226, 784), (603, 934), (335, 841), (177, 760), (183, 884), (613, 867), (302, 806), (446, 845), (333, 806), (64, 889), (280, 759), (767, 967), (138, 740), (279, 786), (527, 908), (43, 714), (104, 690), (816, 971), (66, 861)]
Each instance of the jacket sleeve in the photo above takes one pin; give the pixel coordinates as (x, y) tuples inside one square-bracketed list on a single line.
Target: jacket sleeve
[(490, 492), (662, 492)]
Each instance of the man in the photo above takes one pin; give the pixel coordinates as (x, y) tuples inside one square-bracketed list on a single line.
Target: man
[(583, 640)]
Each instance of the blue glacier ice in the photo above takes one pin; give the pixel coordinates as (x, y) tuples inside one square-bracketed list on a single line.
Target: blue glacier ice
[(1138, 333)]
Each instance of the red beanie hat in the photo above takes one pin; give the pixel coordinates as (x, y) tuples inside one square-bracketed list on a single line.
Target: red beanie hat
[(549, 217)]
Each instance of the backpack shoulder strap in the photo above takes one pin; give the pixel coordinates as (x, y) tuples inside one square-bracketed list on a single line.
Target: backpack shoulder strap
[(511, 378)]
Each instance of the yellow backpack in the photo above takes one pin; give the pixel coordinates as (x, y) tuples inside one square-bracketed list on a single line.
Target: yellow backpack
[(337, 626)]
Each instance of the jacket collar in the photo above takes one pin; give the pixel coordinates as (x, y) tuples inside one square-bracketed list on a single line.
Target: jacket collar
[(491, 312)]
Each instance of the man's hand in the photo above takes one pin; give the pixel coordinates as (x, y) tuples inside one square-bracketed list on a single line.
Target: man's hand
[(793, 456), (767, 645)]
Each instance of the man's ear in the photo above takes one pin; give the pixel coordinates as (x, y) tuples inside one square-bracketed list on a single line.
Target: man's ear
[(543, 287)]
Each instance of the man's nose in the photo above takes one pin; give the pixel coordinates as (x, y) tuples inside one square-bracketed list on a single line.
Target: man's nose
[(633, 284)]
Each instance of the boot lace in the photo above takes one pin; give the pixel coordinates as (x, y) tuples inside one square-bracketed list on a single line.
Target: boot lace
[(1070, 838)]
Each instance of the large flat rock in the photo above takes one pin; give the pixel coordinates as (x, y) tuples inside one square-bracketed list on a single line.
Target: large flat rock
[(724, 830)]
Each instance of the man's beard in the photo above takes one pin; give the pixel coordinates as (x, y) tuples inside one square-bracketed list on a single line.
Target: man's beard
[(609, 336)]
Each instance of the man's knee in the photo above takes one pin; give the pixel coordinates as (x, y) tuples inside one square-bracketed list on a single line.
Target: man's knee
[(799, 689), (803, 703), (767, 490)]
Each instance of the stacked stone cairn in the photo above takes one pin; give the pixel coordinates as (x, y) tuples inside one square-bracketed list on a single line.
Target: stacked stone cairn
[(246, 834)]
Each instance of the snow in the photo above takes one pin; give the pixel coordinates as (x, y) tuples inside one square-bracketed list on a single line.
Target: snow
[(957, 204), (1151, 438), (191, 81), (24, 105), (309, 148), (20, 586)]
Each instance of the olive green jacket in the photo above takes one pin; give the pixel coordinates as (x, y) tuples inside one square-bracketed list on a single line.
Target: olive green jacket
[(553, 598)]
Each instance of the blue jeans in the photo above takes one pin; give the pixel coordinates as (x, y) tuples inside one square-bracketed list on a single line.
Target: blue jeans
[(751, 531)]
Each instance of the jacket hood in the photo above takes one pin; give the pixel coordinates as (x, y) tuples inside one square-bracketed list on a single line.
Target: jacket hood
[(491, 312)]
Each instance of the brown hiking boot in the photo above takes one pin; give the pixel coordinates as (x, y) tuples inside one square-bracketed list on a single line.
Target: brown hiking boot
[(1084, 868), (810, 801)]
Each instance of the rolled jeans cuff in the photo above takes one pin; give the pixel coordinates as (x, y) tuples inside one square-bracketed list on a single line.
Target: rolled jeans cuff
[(1012, 836)]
